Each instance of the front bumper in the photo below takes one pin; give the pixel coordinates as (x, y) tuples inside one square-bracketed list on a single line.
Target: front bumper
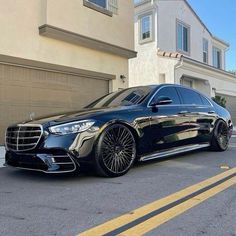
[(47, 163), (52, 153)]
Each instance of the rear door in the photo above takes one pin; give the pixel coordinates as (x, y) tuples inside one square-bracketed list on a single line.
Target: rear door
[(200, 113), (169, 123)]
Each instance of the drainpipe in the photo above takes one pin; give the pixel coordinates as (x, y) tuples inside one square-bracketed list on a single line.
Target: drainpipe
[(177, 66)]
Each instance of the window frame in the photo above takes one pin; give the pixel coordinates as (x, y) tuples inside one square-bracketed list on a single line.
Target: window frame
[(97, 7), (158, 90), (151, 22), (188, 27), (205, 51), (218, 64)]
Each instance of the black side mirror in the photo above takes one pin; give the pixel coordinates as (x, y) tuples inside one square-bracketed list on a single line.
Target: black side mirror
[(162, 100)]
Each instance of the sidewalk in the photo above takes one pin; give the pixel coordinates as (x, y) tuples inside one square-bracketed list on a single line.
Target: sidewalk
[(234, 130), (2, 153)]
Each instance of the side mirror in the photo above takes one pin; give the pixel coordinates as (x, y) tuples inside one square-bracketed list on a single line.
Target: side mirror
[(162, 100)]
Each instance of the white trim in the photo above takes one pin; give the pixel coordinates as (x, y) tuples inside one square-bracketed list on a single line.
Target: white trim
[(149, 14), (188, 27)]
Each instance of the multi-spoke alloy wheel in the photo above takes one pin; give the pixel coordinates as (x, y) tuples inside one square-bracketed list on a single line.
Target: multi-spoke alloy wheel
[(116, 151), (220, 141)]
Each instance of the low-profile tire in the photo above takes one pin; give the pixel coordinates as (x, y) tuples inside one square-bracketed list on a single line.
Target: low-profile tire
[(220, 137), (115, 151)]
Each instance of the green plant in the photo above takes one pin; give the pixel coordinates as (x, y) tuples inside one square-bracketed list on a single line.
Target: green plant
[(220, 100)]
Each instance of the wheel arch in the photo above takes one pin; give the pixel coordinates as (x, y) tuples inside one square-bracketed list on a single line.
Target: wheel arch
[(134, 131)]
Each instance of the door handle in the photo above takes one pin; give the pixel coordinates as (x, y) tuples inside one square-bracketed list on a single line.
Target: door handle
[(183, 112)]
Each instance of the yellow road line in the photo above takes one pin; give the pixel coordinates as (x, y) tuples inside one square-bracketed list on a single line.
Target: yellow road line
[(157, 220), (144, 210)]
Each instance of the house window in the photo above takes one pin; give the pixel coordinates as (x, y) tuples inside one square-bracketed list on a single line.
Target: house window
[(146, 28), (108, 7), (113, 6), (205, 51), (183, 37), (187, 82), (100, 3), (216, 57)]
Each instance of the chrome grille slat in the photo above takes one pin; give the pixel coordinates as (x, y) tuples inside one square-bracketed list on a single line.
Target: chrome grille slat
[(34, 137), (26, 131), (23, 137)]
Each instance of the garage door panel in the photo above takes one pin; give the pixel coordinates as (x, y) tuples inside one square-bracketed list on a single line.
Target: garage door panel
[(27, 90), (230, 105), (15, 95)]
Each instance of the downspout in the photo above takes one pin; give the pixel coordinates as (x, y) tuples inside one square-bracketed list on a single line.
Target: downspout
[(177, 66)]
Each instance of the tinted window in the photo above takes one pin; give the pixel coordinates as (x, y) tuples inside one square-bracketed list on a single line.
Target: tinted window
[(205, 101), (169, 92), (190, 96), (124, 97)]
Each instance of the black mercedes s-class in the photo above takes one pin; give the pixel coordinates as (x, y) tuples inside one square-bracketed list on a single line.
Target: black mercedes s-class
[(140, 123)]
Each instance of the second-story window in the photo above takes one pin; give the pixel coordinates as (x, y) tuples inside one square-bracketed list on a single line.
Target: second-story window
[(216, 57), (100, 3), (183, 37), (205, 51), (146, 28)]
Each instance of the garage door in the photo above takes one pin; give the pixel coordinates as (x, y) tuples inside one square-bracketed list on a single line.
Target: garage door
[(231, 105), (27, 90)]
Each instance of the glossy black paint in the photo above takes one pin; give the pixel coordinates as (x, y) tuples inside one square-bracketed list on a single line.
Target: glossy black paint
[(155, 128)]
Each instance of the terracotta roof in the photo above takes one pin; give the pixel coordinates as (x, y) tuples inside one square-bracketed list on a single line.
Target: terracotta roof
[(169, 54)]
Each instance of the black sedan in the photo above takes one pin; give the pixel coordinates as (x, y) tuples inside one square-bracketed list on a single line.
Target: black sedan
[(135, 124)]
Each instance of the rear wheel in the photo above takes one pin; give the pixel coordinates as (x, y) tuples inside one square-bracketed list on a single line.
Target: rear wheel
[(116, 151), (221, 136)]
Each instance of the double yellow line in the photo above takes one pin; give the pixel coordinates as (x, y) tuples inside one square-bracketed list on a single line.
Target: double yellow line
[(152, 215)]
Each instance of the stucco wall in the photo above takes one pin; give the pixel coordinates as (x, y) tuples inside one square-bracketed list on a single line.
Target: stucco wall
[(165, 15), (74, 16), (168, 13), (20, 19)]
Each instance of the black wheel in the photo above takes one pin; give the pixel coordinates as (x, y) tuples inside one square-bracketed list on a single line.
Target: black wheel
[(116, 151), (220, 138)]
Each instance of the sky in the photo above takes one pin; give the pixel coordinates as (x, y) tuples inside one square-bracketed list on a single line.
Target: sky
[(220, 18)]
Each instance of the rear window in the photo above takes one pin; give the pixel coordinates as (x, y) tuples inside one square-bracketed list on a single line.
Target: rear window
[(190, 96)]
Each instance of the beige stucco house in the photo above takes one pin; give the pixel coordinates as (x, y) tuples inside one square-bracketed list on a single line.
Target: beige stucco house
[(175, 46), (59, 55)]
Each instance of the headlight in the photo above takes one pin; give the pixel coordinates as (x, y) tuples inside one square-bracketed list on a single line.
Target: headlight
[(72, 127)]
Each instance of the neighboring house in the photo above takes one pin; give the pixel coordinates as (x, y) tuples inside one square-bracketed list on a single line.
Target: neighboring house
[(175, 46), (59, 55)]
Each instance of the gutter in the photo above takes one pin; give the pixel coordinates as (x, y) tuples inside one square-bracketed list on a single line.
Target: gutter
[(177, 66)]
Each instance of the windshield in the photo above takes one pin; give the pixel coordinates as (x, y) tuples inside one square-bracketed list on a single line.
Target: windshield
[(126, 97)]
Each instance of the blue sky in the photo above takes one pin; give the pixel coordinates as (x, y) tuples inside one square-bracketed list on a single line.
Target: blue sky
[(220, 18)]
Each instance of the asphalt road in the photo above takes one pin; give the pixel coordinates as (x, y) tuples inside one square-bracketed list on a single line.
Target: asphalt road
[(35, 204)]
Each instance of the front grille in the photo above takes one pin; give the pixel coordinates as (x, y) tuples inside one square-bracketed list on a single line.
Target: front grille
[(23, 137)]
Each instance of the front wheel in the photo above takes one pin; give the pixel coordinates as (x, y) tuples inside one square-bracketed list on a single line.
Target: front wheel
[(115, 151), (220, 138)]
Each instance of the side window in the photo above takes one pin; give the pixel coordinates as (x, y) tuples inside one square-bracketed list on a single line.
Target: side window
[(169, 92), (190, 96), (205, 101)]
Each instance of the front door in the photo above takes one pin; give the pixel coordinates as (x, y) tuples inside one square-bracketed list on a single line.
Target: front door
[(169, 123)]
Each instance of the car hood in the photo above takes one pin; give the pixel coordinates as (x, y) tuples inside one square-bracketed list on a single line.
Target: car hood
[(86, 113)]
